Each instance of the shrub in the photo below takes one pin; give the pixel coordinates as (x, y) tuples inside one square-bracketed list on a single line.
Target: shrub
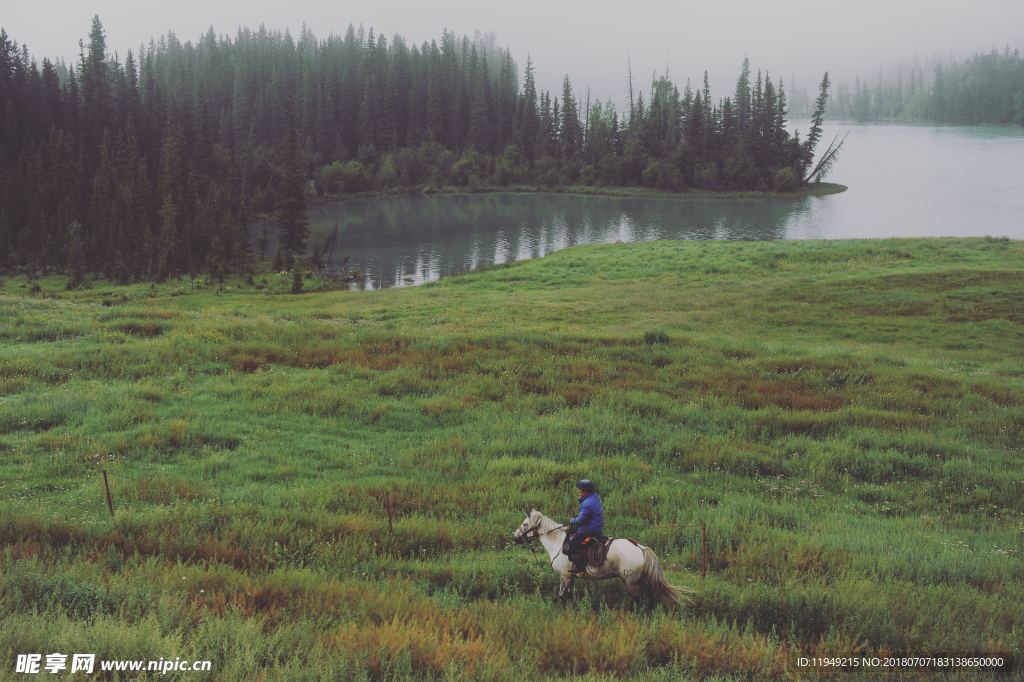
[(706, 177), (631, 168), (443, 168), (785, 180), (343, 178), (655, 337), (473, 169), (387, 174), (569, 174), (739, 172), (609, 170), (662, 175), (545, 170), (510, 167), (413, 165)]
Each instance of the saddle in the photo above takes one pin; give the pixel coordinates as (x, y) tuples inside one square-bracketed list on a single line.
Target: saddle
[(596, 549), (591, 552)]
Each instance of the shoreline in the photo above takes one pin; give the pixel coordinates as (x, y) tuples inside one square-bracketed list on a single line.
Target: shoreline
[(920, 123), (622, 192), (818, 189), (15, 285)]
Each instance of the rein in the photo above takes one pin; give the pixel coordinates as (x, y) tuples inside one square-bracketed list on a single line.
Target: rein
[(536, 531), (536, 534)]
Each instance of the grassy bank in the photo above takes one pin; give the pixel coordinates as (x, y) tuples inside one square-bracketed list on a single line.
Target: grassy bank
[(845, 417)]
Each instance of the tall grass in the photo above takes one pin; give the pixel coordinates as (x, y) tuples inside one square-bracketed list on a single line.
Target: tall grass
[(845, 418)]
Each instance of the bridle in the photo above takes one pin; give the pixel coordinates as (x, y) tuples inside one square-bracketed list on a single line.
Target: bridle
[(536, 531)]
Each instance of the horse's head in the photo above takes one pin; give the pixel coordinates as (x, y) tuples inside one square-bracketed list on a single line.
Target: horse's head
[(527, 529)]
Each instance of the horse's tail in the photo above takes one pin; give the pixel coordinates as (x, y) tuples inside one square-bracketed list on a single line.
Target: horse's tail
[(658, 586)]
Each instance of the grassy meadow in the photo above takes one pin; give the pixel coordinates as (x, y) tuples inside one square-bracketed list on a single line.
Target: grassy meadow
[(847, 419)]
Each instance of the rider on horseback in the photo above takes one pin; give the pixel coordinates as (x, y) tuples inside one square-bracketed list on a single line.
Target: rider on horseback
[(589, 522)]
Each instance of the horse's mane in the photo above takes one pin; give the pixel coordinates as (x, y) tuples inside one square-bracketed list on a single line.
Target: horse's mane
[(545, 524)]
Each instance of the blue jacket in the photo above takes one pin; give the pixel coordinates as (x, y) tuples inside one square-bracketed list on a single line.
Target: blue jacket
[(590, 520)]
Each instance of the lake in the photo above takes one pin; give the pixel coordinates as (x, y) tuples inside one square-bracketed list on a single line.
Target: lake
[(904, 181)]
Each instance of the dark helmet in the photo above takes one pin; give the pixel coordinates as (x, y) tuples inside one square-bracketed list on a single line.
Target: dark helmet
[(587, 485)]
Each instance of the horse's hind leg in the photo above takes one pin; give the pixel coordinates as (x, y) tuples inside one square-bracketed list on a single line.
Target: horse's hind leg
[(635, 589), (565, 587)]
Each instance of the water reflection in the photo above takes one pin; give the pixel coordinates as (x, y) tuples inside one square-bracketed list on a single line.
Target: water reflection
[(414, 239), (904, 181)]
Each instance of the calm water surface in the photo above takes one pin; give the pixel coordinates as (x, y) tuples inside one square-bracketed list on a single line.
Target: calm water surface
[(904, 181)]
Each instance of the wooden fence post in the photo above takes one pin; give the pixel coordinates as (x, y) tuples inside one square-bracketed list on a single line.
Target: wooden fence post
[(106, 486), (703, 550)]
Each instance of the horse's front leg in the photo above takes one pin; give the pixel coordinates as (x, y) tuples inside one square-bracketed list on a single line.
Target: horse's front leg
[(565, 587)]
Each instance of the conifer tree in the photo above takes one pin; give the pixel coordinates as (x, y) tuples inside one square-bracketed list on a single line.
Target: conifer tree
[(743, 96), (814, 134), (570, 134), (101, 207), (95, 86), (293, 225), (435, 100), (75, 255), (168, 261), (527, 123)]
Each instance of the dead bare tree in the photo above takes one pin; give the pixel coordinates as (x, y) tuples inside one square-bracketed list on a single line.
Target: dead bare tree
[(827, 159), (324, 254)]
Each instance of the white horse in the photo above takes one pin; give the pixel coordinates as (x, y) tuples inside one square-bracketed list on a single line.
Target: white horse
[(636, 565)]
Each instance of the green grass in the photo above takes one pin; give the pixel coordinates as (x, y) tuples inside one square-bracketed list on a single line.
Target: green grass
[(846, 417)]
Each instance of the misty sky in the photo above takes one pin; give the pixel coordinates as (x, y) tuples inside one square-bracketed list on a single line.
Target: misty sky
[(588, 40)]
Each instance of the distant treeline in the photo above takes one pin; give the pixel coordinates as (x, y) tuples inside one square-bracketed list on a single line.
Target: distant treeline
[(987, 88), (151, 166)]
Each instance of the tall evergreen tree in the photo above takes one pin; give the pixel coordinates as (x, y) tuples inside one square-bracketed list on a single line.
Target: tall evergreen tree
[(293, 225), (743, 96), (814, 134), (570, 133), (527, 119), (168, 253), (96, 96)]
